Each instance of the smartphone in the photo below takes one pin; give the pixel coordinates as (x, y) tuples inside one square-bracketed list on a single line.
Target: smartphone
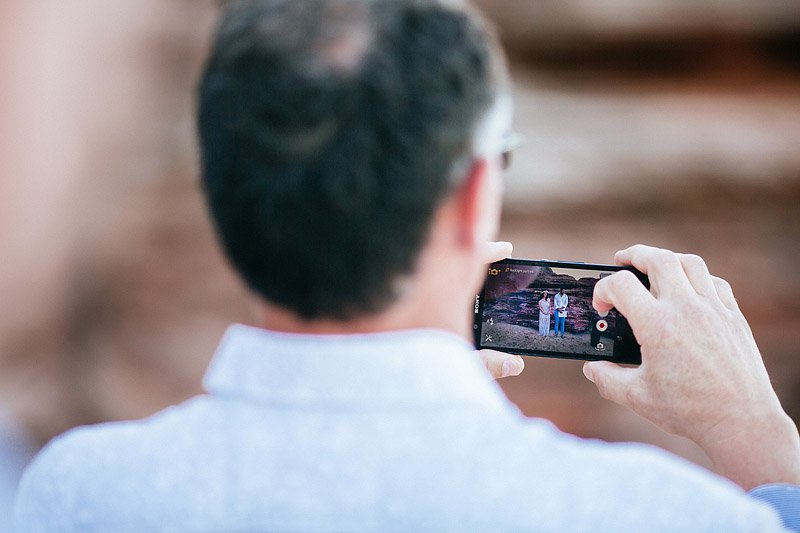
[(544, 308)]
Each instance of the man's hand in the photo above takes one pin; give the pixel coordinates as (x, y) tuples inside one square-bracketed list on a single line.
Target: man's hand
[(499, 364), (701, 375), (497, 251)]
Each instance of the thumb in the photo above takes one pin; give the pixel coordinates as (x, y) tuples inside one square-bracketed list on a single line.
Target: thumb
[(616, 383), (496, 251), (501, 365)]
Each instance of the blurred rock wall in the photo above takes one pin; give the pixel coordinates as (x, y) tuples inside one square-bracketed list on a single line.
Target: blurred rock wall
[(638, 100), (115, 291)]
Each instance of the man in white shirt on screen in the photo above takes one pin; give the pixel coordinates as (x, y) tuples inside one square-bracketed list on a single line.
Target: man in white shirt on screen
[(561, 301)]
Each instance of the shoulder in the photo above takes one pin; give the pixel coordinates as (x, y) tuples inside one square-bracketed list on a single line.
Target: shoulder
[(51, 492), (629, 487), (62, 488)]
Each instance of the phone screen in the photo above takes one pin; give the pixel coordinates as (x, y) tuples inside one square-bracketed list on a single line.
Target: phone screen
[(537, 307)]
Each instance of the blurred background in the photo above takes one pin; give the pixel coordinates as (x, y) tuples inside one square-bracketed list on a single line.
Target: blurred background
[(670, 122)]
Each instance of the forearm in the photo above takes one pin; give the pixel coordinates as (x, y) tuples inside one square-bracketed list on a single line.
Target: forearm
[(751, 453)]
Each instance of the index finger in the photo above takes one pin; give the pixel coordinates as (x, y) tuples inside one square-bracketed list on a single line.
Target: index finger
[(663, 267), (626, 293)]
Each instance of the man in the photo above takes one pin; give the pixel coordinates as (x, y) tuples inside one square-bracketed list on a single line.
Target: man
[(560, 301), (351, 159)]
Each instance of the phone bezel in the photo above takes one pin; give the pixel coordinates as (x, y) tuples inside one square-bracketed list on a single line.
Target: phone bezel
[(626, 350)]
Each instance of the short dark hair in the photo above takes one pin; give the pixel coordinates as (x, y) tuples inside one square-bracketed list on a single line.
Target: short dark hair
[(328, 131)]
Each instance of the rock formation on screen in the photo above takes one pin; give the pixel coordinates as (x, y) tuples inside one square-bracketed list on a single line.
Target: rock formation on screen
[(521, 307)]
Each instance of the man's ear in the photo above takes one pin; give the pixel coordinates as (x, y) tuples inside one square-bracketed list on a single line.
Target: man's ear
[(478, 206)]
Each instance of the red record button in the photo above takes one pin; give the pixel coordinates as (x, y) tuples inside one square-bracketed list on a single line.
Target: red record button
[(601, 325)]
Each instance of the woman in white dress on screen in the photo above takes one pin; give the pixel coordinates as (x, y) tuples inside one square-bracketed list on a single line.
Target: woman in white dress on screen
[(544, 315)]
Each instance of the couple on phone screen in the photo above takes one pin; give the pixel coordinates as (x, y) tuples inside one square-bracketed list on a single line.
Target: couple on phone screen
[(559, 311)]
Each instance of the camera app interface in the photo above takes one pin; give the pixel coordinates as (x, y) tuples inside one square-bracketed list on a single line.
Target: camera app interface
[(545, 309)]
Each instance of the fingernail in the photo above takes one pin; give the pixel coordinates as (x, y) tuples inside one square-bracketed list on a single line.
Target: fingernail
[(512, 366), (602, 314), (587, 371)]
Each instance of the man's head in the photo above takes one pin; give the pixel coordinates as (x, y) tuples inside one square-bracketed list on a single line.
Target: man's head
[(331, 131)]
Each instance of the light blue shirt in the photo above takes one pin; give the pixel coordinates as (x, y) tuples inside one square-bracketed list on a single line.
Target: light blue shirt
[(399, 431), (15, 452)]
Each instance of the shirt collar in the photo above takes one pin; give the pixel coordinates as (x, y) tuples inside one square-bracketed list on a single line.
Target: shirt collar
[(376, 370)]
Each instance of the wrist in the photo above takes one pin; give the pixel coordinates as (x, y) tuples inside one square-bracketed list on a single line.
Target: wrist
[(755, 450)]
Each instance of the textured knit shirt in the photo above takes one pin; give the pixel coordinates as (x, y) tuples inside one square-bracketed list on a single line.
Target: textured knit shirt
[(401, 431)]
